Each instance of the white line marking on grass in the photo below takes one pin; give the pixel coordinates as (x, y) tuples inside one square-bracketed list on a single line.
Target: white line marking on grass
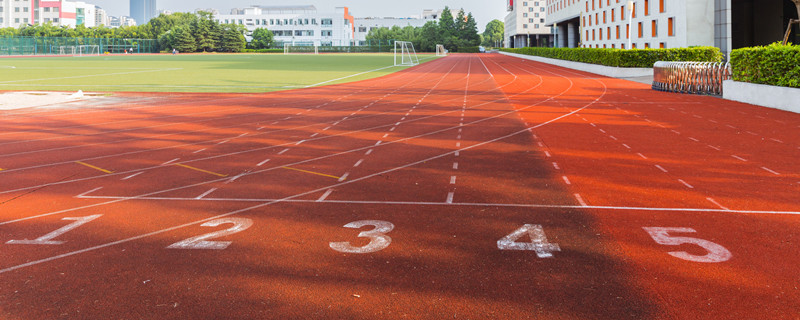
[(92, 75), (325, 195), (206, 193), (770, 171), (133, 175), (350, 76)]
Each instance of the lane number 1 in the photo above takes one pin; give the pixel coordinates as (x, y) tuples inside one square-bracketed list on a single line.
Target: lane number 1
[(48, 238)]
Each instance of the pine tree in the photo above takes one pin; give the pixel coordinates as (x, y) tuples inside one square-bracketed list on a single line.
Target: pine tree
[(183, 40)]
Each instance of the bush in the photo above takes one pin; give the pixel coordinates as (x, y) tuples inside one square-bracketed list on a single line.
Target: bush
[(633, 58), (776, 65), (262, 50), (469, 49)]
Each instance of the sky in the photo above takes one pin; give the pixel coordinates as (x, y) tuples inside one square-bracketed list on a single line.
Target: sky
[(483, 10)]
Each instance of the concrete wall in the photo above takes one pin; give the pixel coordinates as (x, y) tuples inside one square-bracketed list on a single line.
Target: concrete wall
[(762, 95)]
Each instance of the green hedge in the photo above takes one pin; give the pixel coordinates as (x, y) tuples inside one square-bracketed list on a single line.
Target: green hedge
[(469, 49), (262, 51), (776, 65), (633, 58)]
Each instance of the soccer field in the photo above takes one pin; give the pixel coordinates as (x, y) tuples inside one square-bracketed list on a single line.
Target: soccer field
[(192, 73)]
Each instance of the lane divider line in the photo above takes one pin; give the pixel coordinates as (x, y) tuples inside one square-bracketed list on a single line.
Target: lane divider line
[(206, 193), (201, 170), (325, 195), (312, 172), (93, 167), (133, 175)]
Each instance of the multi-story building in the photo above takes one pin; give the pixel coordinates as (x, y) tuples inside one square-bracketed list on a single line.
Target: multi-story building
[(100, 16), (297, 25), (726, 24), (143, 10), (525, 24), (364, 25), (121, 21), (16, 13)]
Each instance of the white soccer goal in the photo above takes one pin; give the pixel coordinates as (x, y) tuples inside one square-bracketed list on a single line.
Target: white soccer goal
[(66, 50), (404, 54), (88, 50), (288, 48), (440, 50)]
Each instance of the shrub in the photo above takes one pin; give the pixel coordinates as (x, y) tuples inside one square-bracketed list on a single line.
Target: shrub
[(633, 58), (474, 49), (776, 65), (262, 50)]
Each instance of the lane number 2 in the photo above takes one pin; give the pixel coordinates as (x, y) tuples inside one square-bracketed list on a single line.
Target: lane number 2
[(716, 253), (201, 242), (538, 242), (378, 240), (48, 238)]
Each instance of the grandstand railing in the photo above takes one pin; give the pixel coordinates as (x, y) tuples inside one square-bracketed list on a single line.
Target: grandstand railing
[(32, 46), (691, 77)]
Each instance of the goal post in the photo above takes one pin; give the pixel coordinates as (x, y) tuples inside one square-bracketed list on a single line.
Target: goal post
[(404, 54), (300, 49), (66, 50), (440, 50), (88, 50)]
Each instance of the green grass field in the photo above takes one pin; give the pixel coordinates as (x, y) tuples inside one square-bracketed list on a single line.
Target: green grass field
[(192, 73)]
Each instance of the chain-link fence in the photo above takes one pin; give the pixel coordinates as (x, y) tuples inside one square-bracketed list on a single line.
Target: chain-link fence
[(32, 46)]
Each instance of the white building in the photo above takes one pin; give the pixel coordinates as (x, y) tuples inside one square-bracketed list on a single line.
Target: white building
[(525, 24), (726, 24), (100, 17), (364, 25), (16, 13), (297, 25), (121, 21)]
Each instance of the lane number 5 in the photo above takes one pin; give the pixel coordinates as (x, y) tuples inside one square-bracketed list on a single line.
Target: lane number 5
[(716, 253)]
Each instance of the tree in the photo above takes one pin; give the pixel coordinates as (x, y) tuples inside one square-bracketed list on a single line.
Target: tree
[(447, 26), (206, 31), (232, 38), (494, 33), (182, 40), (262, 39)]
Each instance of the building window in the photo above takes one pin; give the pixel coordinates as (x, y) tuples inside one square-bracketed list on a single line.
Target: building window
[(536, 26), (613, 15), (671, 27), (16, 9), (655, 28), (525, 26), (46, 9), (362, 29), (647, 7), (56, 9), (617, 32), (634, 10), (647, 45), (525, 15), (641, 30), (662, 45), (25, 9), (661, 6)]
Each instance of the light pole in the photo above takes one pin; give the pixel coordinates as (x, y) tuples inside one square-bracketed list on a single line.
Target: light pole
[(630, 22)]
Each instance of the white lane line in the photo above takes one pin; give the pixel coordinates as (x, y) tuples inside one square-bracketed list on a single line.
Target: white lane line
[(133, 175), (325, 195), (580, 200), (770, 171), (88, 192), (262, 163), (455, 165), (457, 153), (686, 184), (298, 143), (613, 137), (326, 129), (541, 145), (712, 121), (603, 131), (260, 128), (378, 143), (776, 140), (555, 165), (314, 135), (662, 168), (730, 126), (676, 132), (717, 204), (368, 152), (693, 139), (284, 151), (739, 158), (358, 163), (752, 133), (453, 180), (626, 146), (201, 150), (458, 144), (593, 125), (344, 176), (242, 135), (641, 155), (715, 148), (224, 141), (450, 197), (385, 135), (234, 178), (547, 154), (566, 180), (206, 193), (393, 128), (171, 161)]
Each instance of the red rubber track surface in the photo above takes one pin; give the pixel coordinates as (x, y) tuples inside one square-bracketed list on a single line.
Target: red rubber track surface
[(452, 156)]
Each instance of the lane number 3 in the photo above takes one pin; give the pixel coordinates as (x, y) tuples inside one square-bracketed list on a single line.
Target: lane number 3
[(716, 253), (378, 240)]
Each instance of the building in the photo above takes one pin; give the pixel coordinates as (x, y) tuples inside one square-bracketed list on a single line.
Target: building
[(726, 24), (100, 17), (525, 24), (121, 21), (297, 25), (364, 25), (143, 10), (16, 13)]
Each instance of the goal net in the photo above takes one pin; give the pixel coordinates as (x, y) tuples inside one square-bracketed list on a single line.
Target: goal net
[(80, 50), (404, 54), (440, 50), (66, 50), (300, 49)]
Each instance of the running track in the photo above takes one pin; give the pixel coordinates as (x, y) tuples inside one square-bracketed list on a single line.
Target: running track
[(481, 186)]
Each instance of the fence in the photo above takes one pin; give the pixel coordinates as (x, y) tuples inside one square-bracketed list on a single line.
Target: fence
[(691, 77), (31, 46), (354, 47)]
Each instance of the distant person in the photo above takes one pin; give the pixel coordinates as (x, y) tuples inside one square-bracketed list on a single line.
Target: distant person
[(174, 51)]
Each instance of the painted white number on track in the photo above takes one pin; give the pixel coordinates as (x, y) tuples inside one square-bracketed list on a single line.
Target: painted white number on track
[(48, 238), (378, 238), (716, 253), (538, 242), (199, 242)]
